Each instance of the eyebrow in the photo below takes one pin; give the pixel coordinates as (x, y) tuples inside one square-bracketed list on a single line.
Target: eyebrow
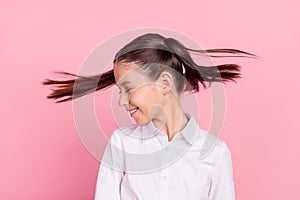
[(125, 82)]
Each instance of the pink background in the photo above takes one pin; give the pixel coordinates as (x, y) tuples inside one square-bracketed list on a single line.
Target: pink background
[(41, 154)]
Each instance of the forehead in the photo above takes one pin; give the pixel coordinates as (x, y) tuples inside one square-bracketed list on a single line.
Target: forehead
[(128, 75), (122, 72)]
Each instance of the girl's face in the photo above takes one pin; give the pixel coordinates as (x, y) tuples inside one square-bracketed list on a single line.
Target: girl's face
[(142, 98)]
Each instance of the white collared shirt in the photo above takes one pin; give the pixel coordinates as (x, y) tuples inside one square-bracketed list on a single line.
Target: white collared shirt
[(139, 163)]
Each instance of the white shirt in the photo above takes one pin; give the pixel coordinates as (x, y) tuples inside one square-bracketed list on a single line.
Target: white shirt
[(137, 165)]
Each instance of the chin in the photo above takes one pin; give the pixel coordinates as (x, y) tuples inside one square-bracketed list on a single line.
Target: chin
[(142, 122)]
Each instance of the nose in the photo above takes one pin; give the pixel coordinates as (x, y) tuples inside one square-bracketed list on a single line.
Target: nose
[(123, 100)]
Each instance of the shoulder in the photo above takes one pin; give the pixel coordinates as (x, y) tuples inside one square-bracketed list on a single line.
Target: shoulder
[(125, 133), (127, 130), (211, 148)]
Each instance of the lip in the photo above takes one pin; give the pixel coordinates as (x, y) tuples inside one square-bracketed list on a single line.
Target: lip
[(132, 109)]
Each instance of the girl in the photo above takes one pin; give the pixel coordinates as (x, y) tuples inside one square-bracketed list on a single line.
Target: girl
[(157, 157)]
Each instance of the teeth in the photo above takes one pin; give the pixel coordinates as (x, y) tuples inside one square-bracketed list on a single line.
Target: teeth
[(133, 111)]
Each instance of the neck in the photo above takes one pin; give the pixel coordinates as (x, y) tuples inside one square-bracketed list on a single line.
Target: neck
[(171, 120)]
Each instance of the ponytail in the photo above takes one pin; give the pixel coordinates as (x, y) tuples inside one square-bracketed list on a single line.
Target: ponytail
[(84, 85), (195, 73)]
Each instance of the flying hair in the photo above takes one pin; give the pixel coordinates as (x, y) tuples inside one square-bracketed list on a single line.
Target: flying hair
[(146, 51)]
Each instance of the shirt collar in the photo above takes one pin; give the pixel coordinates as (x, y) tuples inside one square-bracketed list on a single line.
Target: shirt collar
[(188, 132)]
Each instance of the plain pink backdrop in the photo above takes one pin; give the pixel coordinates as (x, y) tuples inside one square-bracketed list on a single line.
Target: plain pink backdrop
[(41, 154)]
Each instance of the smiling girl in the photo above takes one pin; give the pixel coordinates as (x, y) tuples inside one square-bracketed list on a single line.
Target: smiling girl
[(157, 158)]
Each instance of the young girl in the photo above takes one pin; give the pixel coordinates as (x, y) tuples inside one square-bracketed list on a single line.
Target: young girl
[(157, 158)]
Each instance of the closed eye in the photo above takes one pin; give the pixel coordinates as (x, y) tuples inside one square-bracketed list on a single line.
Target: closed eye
[(125, 91)]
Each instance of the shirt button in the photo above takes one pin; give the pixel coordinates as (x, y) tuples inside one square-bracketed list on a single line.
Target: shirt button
[(165, 178)]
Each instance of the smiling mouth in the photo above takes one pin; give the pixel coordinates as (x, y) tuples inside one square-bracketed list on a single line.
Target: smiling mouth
[(132, 111)]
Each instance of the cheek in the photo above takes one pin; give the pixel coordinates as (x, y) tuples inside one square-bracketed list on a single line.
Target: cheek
[(138, 99), (145, 98)]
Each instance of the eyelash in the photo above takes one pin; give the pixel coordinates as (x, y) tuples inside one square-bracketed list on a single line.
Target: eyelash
[(125, 91)]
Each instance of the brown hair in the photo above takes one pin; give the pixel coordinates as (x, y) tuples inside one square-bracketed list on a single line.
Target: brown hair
[(146, 50)]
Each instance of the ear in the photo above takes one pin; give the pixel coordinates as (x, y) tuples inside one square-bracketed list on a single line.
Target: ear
[(166, 82)]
